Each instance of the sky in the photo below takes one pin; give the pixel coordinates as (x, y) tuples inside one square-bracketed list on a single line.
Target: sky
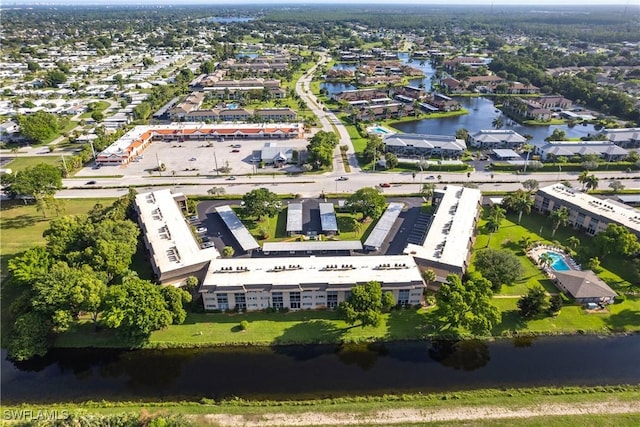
[(320, 2)]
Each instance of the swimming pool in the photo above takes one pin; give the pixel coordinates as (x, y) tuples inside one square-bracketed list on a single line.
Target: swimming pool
[(558, 263), (379, 130), (232, 106)]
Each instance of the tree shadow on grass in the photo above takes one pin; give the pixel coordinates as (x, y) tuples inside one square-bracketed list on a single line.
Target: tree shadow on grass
[(512, 321), (406, 325), (323, 335), (22, 221), (623, 321)]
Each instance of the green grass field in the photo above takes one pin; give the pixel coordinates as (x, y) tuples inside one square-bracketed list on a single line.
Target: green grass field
[(21, 163)]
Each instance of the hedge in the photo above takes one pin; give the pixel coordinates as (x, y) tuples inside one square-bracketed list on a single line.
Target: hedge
[(456, 167), (564, 167)]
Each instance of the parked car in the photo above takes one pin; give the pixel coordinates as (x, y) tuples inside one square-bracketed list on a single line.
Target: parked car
[(193, 218), (201, 230), (192, 159), (342, 178), (231, 178), (385, 185), (235, 150), (236, 146), (206, 245)]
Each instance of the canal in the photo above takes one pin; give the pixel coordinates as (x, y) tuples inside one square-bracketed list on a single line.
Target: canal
[(315, 371)]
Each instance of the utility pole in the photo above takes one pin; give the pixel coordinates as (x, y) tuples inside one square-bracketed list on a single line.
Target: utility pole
[(215, 160), (64, 163), (93, 150)]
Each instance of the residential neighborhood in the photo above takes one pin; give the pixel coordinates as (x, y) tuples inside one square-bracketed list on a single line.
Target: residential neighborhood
[(418, 198)]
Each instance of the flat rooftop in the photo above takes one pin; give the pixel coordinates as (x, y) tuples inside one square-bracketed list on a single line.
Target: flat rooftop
[(384, 225), (613, 212), (173, 246), (328, 218), (237, 228), (451, 228), (313, 245), (321, 271), (294, 217)]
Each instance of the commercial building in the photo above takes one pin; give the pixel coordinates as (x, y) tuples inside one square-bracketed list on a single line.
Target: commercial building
[(134, 142), (587, 213), (447, 246)]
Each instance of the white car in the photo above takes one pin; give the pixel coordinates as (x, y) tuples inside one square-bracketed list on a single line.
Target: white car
[(206, 245), (342, 178), (201, 230)]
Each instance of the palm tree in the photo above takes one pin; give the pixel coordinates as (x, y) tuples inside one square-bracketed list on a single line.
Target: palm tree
[(427, 189), (494, 220), (429, 276), (573, 242), (559, 217), (592, 182), (583, 178), (520, 201), (528, 148), (545, 260), (498, 122)]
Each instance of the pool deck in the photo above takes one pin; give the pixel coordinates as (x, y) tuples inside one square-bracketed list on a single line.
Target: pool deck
[(536, 251)]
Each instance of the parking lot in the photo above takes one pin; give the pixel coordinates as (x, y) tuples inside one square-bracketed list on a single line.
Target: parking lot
[(405, 226), (200, 158)]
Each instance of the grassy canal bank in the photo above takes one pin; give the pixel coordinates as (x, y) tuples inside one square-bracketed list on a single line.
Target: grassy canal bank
[(568, 406)]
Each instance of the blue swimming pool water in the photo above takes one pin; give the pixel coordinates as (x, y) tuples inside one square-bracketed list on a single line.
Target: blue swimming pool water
[(378, 129), (232, 106), (558, 263)]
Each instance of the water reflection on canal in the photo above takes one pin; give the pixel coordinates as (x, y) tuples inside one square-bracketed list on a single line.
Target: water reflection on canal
[(297, 372)]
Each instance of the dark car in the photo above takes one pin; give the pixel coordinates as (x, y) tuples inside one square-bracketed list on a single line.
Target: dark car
[(235, 150), (91, 183), (385, 185)]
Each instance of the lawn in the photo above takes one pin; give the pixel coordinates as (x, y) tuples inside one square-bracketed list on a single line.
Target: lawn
[(99, 108), (21, 163), (201, 329)]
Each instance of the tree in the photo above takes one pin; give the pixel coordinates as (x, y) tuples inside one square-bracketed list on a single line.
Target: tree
[(530, 185), (594, 264), (216, 191), (520, 202), (29, 337), (616, 186), (368, 201), (498, 123), (616, 239), (545, 260), (557, 135), (469, 305), (54, 78), (462, 133), (572, 242), (429, 276), (147, 62), (592, 182), (33, 66), (555, 304), (176, 298), (583, 178), (373, 150), (494, 220), (142, 111), (364, 305), (228, 251), (533, 303), (207, 67), (559, 217), (39, 126), (97, 116), (261, 202), (135, 309), (321, 147), (427, 190), (500, 267), (36, 181), (391, 160), (64, 292)]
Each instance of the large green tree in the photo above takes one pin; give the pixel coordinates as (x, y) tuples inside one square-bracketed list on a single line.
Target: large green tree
[(616, 239), (559, 217), (467, 305), (36, 181), (29, 336), (320, 149), (533, 303), (368, 201), (365, 304), (261, 202), (176, 299), (39, 126), (500, 267), (135, 309)]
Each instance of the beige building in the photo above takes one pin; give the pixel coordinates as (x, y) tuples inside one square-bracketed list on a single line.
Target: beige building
[(587, 213)]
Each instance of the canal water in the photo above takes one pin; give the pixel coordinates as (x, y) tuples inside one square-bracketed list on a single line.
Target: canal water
[(316, 371)]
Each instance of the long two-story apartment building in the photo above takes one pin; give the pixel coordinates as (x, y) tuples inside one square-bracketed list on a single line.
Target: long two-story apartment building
[(587, 213)]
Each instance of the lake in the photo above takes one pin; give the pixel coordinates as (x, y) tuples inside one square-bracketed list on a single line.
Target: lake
[(316, 371)]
